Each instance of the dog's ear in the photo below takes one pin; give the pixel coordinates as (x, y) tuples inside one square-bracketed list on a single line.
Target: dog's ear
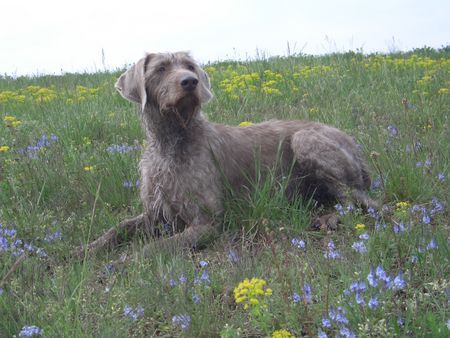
[(131, 84), (205, 93)]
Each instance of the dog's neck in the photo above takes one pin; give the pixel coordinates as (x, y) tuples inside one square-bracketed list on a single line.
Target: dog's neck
[(170, 133)]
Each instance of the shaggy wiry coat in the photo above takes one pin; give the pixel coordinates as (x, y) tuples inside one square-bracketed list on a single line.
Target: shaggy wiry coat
[(189, 160)]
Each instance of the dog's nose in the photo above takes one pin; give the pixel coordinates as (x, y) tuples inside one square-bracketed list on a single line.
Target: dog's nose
[(189, 83)]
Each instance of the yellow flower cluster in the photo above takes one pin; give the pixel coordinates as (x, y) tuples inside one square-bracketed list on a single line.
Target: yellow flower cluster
[(42, 94), (10, 96), (252, 293), (402, 206), (245, 124), (312, 71), (12, 121), (282, 334), (4, 149), (360, 227)]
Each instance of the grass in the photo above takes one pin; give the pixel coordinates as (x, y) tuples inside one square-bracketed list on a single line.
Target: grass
[(69, 147)]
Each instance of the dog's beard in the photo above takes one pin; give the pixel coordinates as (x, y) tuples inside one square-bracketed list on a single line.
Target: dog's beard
[(185, 109)]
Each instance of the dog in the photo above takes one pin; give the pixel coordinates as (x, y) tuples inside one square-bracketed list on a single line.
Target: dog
[(190, 163)]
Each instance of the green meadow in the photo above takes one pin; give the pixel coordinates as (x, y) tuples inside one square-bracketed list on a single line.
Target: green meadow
[(69, 150)]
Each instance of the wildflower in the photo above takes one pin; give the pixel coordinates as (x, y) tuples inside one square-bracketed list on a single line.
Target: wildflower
[(205, 276), (393, 131), (182, 278), (359, 298), (331, 253), (402, 205), (172, 282), (373, 303), (30, 331), (426, 219), (376, 183), (399, 282), (437, 206), (414, 259), (122, 148), (432, 245), (88, 168), (203, 264), (55, 236), (321, 334), (127, 184), (360, 227), (400, 321), (399, 227), (448, 324), (182, 321), (1, 291), (298, 243), (282, 334), (373, 213), (340, 209), (245, 124), (251, 292), (338, 315), (441, 177), (359, 247), (296, 297), (372, 278), (428, 163), (345, 332), (196, 298), (4, 149), (134, 314), (307, 293), (419, 164), (364, 236), (326, 322)]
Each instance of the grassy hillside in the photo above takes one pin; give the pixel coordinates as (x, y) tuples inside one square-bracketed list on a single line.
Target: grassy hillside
[(69, 147)]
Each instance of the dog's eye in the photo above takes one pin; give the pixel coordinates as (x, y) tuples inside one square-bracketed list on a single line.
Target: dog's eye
[(162, 69), (191, 67)]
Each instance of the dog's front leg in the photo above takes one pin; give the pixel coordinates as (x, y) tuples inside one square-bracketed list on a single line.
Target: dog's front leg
[(113, 236)]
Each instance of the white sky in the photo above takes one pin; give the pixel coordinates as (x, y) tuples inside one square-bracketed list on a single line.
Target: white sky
[(47, 36)]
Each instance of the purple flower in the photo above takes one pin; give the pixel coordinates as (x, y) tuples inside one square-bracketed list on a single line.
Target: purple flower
[(359, 298), (340, 209), (172, 282), (30, 331), (326, 322), (373, 213), (432, 245), (393, 131), (182, 278), (359, 247), (205, 276), (296, 297), (307, 293), (338, 315), (399, 227), (428, 163), (426, 219), (134, 314), (345, 332), (400, 321), (373, 303), (414, 259), (127, 184), (331, 253), (203, 264), (399, 282), (196, 298), (53, 237), (298, 243), (437, 206), (364, 236), (376, 183), (372, 278), (419, 164), (441, 177), (182, 321), (321, 334)]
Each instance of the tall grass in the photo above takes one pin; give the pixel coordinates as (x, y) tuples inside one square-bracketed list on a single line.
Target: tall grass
[(69, 147)]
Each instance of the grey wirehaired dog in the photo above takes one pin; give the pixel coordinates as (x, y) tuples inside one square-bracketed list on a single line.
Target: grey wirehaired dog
[(188, 160)]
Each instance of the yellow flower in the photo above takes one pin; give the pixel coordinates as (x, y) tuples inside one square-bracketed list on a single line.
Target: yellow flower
[(245, 124), (282, 334), (15, 124), (4, 149), (252, 293), (402, 205), (443, 91), (88, 168), (9, 119), (360, 226)]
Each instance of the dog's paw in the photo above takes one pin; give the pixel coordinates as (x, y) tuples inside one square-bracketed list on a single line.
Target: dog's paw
[(327, 222)]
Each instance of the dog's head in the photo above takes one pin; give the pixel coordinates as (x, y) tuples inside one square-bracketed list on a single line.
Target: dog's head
[(169, 82)]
